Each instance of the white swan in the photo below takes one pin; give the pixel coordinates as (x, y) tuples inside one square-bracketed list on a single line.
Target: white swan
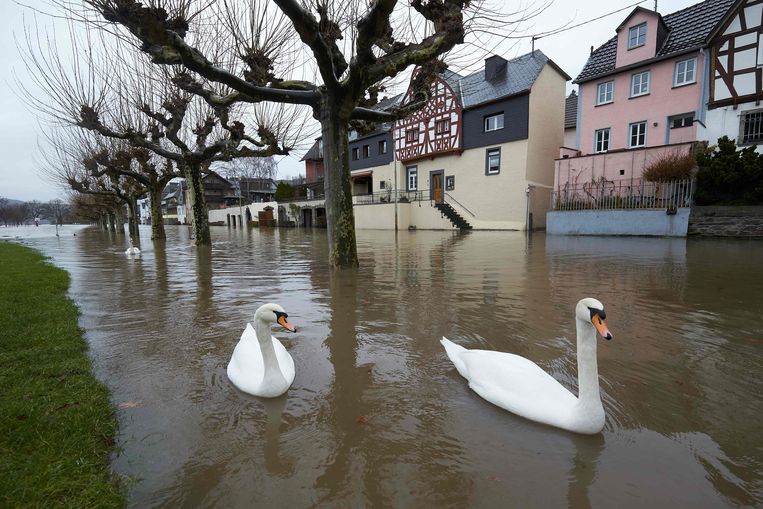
[(132, 250), (518, 385), (260, 364)]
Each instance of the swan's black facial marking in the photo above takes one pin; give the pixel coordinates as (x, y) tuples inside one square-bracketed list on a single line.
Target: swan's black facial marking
[(279, 314), (599, 312)]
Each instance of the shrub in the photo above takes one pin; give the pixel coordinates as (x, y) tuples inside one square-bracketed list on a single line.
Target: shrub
[(671, 167), (728, 176), (284, 191)]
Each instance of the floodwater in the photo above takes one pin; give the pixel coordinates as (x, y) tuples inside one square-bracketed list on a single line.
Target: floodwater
[(377, 415)]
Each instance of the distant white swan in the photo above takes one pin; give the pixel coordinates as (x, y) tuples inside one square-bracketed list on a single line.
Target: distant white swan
[(260, 364), (132, 250), (520, 386)]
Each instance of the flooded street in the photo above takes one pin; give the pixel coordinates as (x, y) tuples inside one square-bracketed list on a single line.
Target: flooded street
[(377, 415)]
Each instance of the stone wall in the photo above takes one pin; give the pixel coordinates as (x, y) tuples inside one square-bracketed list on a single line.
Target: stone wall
[(643, 222), (741, 222)]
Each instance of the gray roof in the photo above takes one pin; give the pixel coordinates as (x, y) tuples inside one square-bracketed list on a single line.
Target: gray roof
[(521, 73), (689, 28), (312, 154), (571, 110)]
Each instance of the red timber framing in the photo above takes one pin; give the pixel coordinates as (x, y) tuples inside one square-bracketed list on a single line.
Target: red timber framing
[(736, 72), (433, 130)]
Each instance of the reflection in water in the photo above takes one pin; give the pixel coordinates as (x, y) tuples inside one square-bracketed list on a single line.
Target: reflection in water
[(680, 383)]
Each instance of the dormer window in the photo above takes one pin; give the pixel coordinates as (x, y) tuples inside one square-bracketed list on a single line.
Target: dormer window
[(637, 36), (494, 122)]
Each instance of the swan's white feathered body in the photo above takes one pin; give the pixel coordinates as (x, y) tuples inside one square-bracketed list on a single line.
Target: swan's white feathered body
[(520, 386), (132, 251), (260, 365), (246, 368)]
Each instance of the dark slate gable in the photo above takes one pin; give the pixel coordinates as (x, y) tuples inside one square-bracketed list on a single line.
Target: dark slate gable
[(689, 28), (571, 110)]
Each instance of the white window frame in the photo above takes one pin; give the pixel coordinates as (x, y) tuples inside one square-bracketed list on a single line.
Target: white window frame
[(641, 81), (607, 91), (606, 137), (412, 178), (640, 34), (493, 122), (750, 135), (638, 134), (677, 71), (681, 117), (489, 153), (382, 146)]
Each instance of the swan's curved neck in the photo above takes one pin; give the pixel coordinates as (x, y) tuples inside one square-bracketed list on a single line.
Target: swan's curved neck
[(588, 372), (273, 373)]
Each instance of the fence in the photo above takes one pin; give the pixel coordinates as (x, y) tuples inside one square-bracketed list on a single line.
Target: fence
[(391, 196), (608, 194)]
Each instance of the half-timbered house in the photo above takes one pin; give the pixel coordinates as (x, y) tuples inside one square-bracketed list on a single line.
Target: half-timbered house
[(736, 86), (478, 155)]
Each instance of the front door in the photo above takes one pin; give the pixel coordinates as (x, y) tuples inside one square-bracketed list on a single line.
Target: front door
[(436, 179)]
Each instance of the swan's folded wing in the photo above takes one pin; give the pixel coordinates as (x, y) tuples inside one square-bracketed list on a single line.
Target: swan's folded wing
[(285, 362), (517, 385)]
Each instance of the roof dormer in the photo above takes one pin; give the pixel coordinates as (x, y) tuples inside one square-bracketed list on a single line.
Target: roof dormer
[(640, 36)]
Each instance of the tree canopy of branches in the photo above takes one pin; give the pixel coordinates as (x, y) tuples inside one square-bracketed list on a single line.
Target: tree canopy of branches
[(352, 47), (158, 129)]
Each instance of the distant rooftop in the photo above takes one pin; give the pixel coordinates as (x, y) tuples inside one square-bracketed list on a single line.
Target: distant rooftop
[(571, 110)]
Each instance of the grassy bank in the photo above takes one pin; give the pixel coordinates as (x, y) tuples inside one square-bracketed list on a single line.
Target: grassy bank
[(56, 423)]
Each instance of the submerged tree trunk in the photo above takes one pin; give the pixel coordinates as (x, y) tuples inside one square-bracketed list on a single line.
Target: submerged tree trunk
[(112, 222), (133, 220), (340, 220), (198, 204), (157, 221)]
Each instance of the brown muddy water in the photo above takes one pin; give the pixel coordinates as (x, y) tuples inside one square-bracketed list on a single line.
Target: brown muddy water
[(378, 416)]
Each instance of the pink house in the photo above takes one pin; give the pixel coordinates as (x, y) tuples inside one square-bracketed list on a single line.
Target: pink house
[(641, 94)]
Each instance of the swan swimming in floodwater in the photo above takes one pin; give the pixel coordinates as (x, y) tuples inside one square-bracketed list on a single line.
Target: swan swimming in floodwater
[(132, 250), (520, 386), (260, 364)]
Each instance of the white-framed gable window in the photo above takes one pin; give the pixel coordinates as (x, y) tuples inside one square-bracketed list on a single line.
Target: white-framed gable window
[(637, 36), (637, 134), (685, 72), (494, 122), (601, 140), (640, 83), (413, 178), (605, 92)]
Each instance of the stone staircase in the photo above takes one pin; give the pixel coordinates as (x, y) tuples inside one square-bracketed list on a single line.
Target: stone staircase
[(447, 211), (739, 222)]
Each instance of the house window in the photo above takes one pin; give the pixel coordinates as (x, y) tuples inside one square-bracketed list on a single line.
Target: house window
[(751, 130), (382, 184), (413, 178), (355, 152), (442, 127), (412, 135), (640, 84), (366, 151), (494, 122), (637, 135), (606, 93), (601, 140), (678, 121), (685, 72), (637, 36), (493, 161), (450, 182), (383, 147)]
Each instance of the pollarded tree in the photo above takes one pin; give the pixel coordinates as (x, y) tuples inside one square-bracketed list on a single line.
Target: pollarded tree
[(353, 46), (146, 109)]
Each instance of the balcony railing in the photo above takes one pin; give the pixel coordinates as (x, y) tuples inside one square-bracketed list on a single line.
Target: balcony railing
[(391, 197), (601, 195)]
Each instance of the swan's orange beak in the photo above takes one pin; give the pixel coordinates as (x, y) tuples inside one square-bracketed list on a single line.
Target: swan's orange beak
[(601, 327), (285, 324)]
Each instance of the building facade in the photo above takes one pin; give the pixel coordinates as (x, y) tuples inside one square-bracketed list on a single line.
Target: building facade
[(481, 149)]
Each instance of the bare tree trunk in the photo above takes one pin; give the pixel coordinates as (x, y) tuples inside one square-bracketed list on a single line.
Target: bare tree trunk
[(157, 221), (340, 220), (119, 220), (105, 222), (198, 204), (112, 222), (132, 220)]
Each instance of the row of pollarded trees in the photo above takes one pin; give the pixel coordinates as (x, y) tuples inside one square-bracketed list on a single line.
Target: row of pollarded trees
[(329, 56), (121, 128)]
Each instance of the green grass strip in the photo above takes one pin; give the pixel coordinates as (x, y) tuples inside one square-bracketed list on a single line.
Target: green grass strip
[(57, 425)]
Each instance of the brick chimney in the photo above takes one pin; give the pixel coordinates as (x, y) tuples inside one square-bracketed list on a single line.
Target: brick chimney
[(495, 68)]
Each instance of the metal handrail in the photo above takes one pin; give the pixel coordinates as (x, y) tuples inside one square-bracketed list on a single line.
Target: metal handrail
[(624, 195), (460, 204)]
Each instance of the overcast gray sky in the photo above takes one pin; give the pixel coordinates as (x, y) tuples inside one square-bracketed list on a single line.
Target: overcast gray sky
[(19, 128)]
